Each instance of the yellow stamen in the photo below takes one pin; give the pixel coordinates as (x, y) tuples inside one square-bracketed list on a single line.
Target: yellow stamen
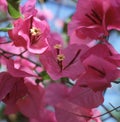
[(57, 46), (35, 31), (60, 57)]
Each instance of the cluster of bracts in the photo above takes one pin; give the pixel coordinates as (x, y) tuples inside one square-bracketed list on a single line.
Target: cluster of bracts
[(79, 71)]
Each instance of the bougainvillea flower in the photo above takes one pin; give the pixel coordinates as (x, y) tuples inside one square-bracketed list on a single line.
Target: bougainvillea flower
[(99, 73), (66, 111), (12, 86), (13, 71), (65, 62), (17, 91), (29, 8), (100, 50), (30, 33), (45, 14), (72, 103), (86, 40), (26, 65), (96, 21), (12, 48), (55, 93), (46, 116), (6, 84), (69, 112), (32, 105), (81, 95), (3, 5), (96, 116), (105, 51)]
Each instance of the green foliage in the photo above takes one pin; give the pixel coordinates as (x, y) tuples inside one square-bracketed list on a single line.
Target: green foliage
[(5, 29), (13, 8), (44, 75)]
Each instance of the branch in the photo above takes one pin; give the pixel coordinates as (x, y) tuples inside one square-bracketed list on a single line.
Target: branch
[(18, 55), (108, 112)]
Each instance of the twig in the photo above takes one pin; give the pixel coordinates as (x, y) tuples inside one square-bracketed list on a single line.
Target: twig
[(108, 112), (18, 55)]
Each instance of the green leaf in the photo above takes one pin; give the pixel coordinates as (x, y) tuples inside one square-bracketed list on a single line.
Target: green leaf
[(13, 8), (44, 75), (5, 29), (9, 27)]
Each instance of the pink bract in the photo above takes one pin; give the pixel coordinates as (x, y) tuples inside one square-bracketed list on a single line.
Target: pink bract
[(99, 73), (55, 93), (46, 116), (63, 62), (12, 86), (6, 84), (18, 91), (31, 105), (3, 5), (81, 95), (30, 33), (94, 19), (68, 112), (29, 8)]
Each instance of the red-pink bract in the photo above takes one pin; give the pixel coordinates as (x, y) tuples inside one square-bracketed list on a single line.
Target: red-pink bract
[(81, 95), (12, 86), (3, 5), (99, 73), (14, 71), (18, 91), (30, 33), (55, 93), (32, 105), (68, 112), (105, 51), (6, 84), (29, 8), (70, 66), (46, 116), (94, 19)]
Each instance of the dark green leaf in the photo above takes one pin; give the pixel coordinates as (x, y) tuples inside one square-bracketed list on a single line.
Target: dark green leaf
[(13, 8), (9, 27), (44, 75), (5, 29)]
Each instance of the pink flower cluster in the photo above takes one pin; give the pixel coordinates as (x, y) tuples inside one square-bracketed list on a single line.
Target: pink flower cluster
[(88, 60)]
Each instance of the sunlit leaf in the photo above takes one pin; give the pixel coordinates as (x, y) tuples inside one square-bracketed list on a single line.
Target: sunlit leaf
[(13, 8), (9, 27)]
